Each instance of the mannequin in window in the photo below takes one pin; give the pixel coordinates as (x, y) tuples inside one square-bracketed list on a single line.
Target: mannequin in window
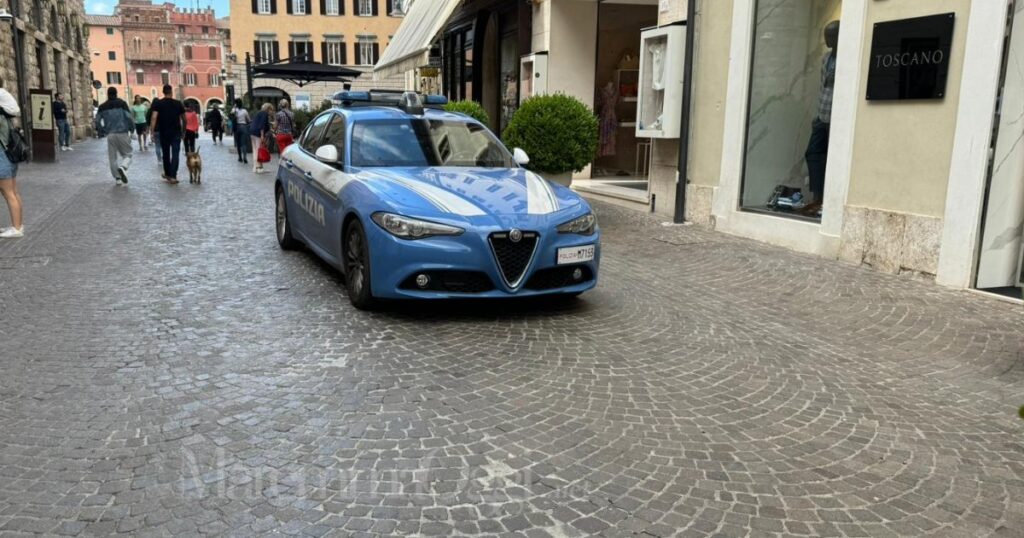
[(817, 147), (609, 121)]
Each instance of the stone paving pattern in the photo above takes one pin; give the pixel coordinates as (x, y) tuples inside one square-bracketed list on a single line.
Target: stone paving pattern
[(165, 370)]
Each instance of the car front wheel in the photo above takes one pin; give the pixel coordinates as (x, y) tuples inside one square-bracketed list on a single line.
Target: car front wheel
[(357, 267), (284, 229)]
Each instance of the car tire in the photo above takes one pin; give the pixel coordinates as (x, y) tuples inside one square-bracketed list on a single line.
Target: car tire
[(282, 226), (357, 267)]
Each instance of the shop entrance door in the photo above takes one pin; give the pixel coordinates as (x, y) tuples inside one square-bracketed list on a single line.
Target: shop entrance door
[(1000, 262)]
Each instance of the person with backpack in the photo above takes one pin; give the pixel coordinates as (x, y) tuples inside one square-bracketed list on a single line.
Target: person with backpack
[(114, 120), (8, 166)]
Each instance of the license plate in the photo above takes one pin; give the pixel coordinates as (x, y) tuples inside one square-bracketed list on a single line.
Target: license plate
[(575, 254)]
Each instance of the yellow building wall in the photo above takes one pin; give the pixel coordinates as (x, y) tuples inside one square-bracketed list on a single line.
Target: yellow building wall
[(902, 149), (100, 42)]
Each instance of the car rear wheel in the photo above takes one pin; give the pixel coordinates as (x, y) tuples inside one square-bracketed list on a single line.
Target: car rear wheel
[(357, 267), (284, 230)]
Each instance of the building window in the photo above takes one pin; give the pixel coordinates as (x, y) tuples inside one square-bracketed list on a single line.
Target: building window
[(137, 43), (365, 8), (213, 79), (111, 55), (165, 77), (790, 107), (332, 7), (140, 77), (301, 48), (113, 77), (367, 51), (187, 52), (110, 31), (206, 29), (398, 8), (334, 53), (163, 44), (214, 53), (189, 78), (298, 7), (181, 29), (266, 50), (263, 7)]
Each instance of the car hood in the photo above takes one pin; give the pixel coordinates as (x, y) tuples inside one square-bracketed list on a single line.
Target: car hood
[(512, 196)]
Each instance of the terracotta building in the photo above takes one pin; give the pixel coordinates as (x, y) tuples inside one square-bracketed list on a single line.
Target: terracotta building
[(54, 56), (106, 45), (149, 42), (201, 49)]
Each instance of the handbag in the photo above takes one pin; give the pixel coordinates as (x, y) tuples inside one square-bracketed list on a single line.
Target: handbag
[(263, 155)]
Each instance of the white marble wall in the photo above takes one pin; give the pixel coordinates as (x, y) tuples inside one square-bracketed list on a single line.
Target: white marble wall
[(786, 76), (1000, 263)]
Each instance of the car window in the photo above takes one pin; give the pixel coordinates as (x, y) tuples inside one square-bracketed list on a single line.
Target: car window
[(335, 134), (425, 142), (311, 140)]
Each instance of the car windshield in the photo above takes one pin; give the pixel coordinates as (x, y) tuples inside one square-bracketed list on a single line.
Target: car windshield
[(426, 142)]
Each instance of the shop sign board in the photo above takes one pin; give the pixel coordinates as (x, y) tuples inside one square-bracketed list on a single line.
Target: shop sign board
[(910, 58)]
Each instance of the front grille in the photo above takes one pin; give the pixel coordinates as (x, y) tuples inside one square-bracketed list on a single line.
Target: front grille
[(451, 281), (513, 257), (558, 277)]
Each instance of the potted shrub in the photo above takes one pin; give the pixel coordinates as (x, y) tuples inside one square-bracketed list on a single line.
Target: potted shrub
[(470, 108), (558, 133)]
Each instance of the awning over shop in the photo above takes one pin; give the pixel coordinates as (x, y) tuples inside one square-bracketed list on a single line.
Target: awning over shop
[(410, 47), (303, 72)]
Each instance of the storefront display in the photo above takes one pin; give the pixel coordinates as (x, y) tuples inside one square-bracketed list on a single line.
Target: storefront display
[(661, 81), (789, 116)]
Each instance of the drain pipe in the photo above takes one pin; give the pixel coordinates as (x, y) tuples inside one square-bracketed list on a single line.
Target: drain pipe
[(684, 124)]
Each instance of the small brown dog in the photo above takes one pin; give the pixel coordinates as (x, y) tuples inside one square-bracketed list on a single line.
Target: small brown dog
[(195, 167)]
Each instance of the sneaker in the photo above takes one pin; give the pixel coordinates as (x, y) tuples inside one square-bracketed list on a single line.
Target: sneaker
[(68, 148), (122, 174), (12, 232)]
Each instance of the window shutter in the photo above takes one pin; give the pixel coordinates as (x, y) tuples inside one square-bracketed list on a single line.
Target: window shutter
[(341, 7), (375, 4), (344, 54), (376, 53), (256, 50), (359, 54), (291, 49), (288, 6), (255, 6), (273, 6), (277, 52), (390, 7), (323, 7), (355, 6), (323, 52)]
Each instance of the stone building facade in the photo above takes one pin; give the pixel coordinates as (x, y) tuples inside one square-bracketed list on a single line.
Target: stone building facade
[(52, 44)]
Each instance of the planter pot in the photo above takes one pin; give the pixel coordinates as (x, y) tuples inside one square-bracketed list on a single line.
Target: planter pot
[(564, 179)]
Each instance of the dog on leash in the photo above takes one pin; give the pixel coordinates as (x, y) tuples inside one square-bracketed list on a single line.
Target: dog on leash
[(195, 167)]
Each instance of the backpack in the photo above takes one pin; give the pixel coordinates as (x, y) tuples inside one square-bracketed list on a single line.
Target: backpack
[(16, 147)]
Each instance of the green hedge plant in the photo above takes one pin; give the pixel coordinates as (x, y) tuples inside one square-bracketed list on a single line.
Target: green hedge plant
[(471, 109), (558, 132)]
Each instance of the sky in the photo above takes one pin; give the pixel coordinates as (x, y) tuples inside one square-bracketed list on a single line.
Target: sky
[(106, 7)]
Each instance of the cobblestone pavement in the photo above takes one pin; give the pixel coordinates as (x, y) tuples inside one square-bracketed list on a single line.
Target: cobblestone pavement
[(165, 370)]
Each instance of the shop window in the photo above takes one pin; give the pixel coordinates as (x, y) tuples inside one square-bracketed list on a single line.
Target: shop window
[(791, 87)]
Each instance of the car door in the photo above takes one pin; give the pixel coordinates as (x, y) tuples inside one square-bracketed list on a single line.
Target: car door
[(296, 165), (327, 180), (309, 172)]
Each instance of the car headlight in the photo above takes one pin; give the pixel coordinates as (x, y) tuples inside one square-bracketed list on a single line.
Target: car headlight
[(585, 225), (410, 228)]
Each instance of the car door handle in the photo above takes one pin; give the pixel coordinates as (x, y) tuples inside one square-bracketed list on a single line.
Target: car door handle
[(288, 163), (309, 175)]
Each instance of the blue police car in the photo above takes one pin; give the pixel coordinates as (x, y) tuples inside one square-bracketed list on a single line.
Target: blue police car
[(412, 202)]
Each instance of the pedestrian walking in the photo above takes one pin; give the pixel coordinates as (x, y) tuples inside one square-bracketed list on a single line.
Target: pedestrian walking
[(241, 131), (139, 112), (9, 112), (284, 126), (169, 123), (115, 121), (191, 129), (60, 113), (214, 121), (259, 129)]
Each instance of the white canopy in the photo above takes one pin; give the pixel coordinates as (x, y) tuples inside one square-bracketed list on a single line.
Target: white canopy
[(410, 48)]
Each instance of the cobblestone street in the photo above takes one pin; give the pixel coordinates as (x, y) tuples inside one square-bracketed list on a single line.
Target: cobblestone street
[(166, 370)]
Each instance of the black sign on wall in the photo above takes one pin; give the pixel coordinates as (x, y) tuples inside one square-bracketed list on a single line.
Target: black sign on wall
[(910, 58)]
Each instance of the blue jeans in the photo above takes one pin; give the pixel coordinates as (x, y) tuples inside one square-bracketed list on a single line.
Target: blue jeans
[(64, 133), (156, 144), (170, 145), (817, 158)]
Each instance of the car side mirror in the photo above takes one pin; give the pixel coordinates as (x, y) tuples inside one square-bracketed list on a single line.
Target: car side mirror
[(327, 154), (520, 157)]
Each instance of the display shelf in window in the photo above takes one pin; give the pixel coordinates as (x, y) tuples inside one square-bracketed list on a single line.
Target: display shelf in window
[(662, 53), (533, 75)]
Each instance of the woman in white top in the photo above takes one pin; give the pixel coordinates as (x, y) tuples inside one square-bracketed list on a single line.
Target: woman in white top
[(241, 131), (8, 170)]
